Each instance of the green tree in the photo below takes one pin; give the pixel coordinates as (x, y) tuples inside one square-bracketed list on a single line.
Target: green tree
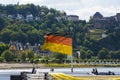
[(2, 23), (23, 56), (10, 9), (8, 55), (6, 35), (89, 54), (3, 47), (103, 53), (114, 54), (1, 59), (19, 36), (33, 36), (60, 57), (82, 54), (30, 54)]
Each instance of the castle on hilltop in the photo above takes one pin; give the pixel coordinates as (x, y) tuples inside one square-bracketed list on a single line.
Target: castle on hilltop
[(99, 21)]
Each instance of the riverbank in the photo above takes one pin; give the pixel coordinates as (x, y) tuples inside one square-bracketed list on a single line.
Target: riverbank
[(19, 65), (29, 65)]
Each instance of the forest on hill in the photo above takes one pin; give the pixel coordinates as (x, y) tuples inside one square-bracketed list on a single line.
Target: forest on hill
[(29, 23)]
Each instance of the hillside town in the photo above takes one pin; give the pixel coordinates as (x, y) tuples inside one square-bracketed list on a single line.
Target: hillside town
[(30, 17)]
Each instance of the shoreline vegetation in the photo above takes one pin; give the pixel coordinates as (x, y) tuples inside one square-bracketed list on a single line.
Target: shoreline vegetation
[(82, 65), (29, 65)]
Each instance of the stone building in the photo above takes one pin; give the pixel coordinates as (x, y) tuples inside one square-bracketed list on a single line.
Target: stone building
[(97, 16), (118, 17), (99, 21)]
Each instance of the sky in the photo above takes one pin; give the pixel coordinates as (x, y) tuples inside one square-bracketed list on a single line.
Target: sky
[(83, 8)]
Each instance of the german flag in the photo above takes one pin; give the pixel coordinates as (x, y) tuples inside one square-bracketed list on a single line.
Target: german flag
[(58, 42)]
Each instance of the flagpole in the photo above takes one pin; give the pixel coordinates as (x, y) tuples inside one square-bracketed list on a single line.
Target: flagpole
[(71, 63), (72, 51)]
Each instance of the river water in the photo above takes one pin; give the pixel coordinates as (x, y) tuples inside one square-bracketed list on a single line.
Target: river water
[(5, 74)]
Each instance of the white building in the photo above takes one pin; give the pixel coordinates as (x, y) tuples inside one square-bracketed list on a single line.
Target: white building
[(29, 17), (11, 16), (104, 35), (72, 17), (20, 16)]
